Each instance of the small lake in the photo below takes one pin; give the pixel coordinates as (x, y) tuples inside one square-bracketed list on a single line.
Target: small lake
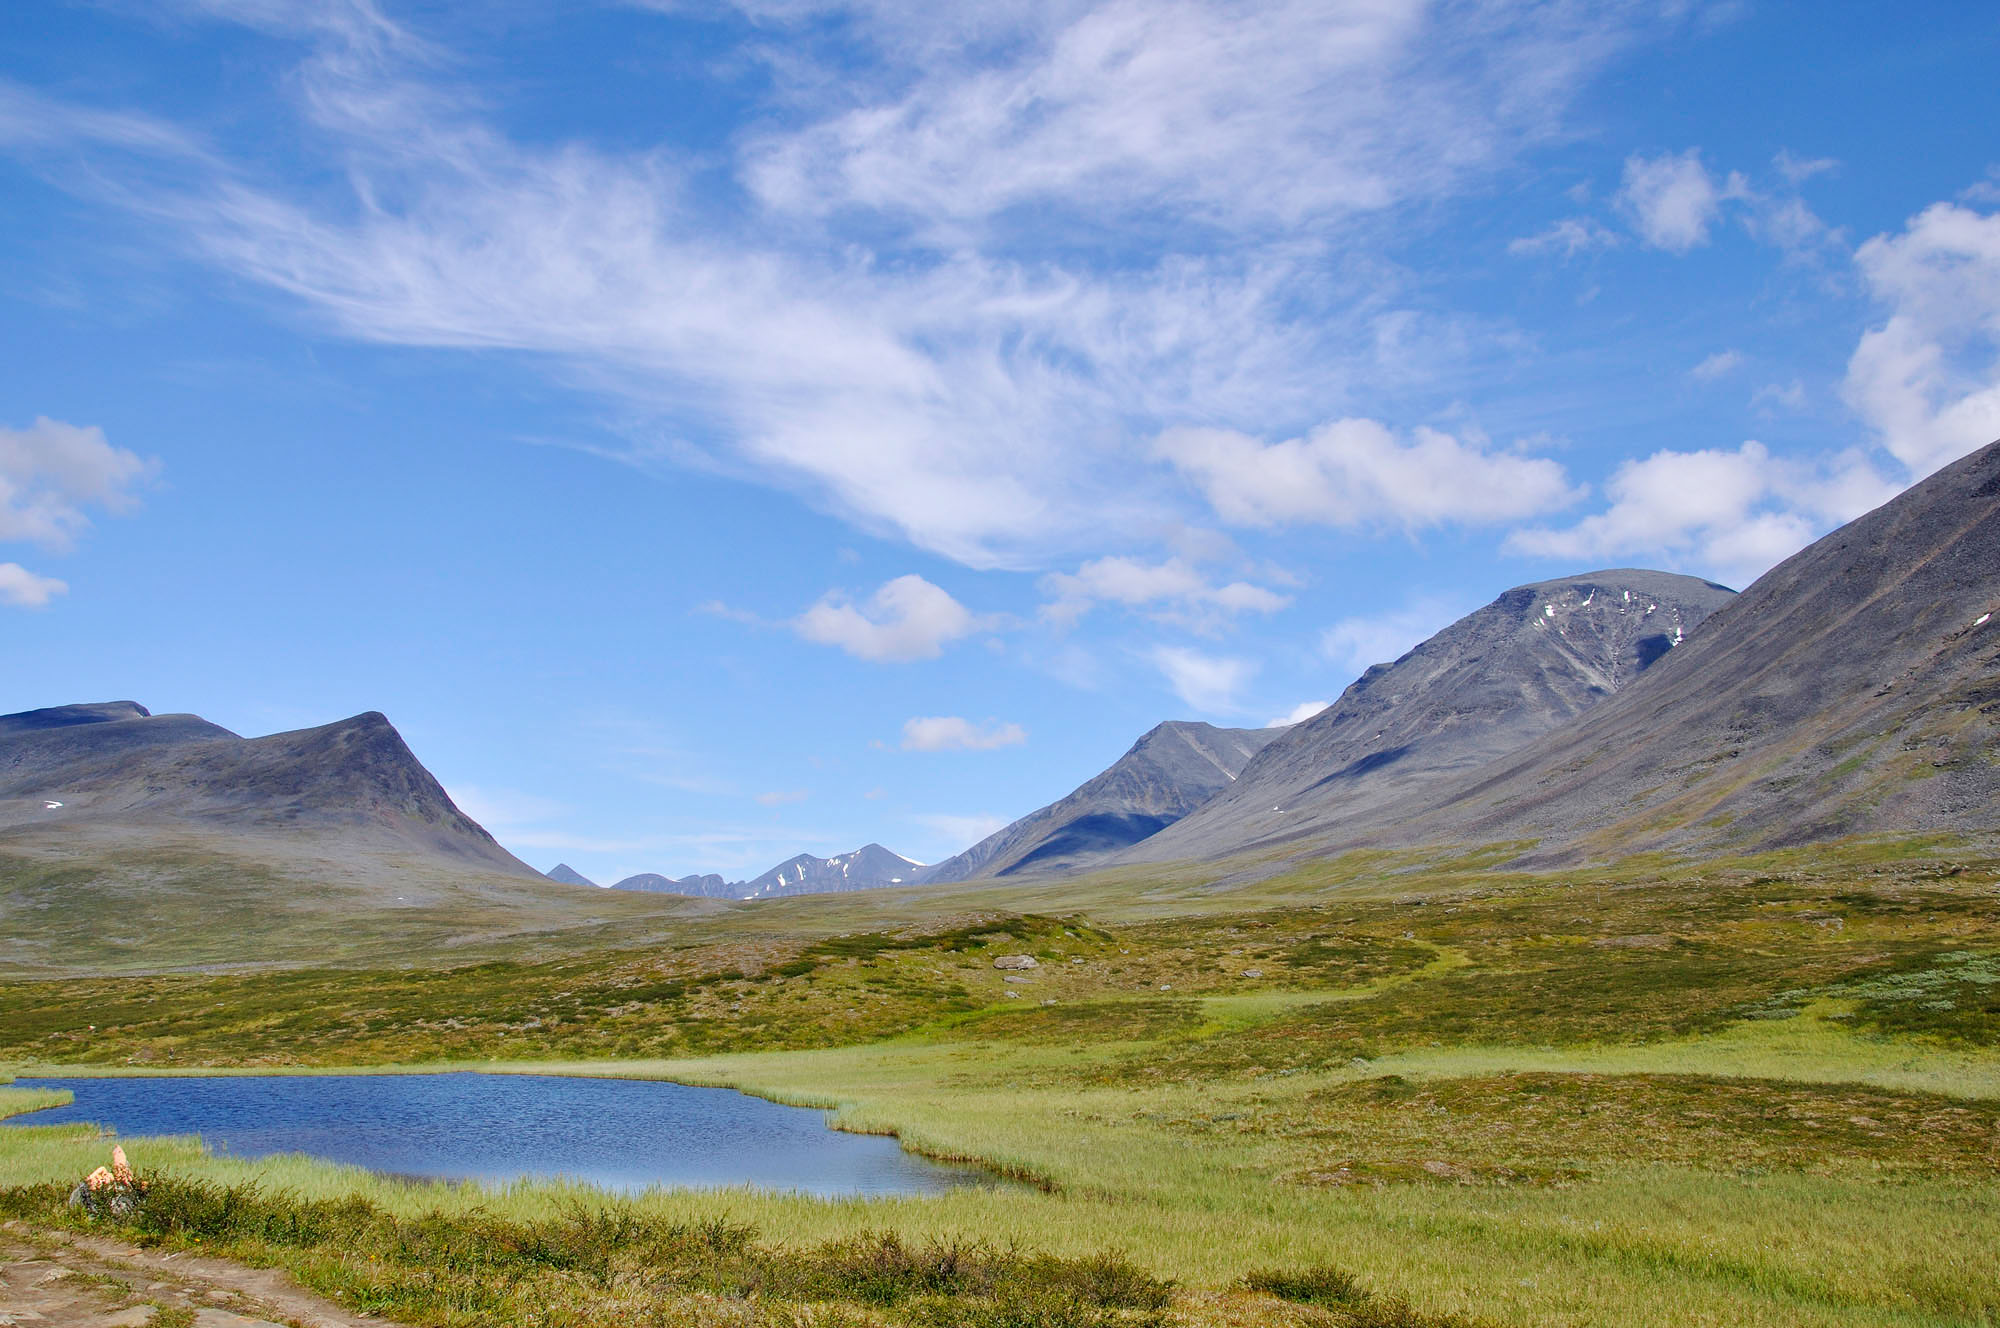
[(624, 1135)]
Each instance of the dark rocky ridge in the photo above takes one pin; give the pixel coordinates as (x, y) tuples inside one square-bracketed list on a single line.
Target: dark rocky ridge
[(1173, 769), (1528, 663)]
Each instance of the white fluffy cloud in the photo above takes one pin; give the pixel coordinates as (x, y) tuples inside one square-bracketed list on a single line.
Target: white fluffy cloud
[(1356, 472), (1209, 683), (907, 618), (52, 472), (23, 589), (1671, 200), (1175, 590), (949, 733), (1928, 380), (1731, 514), (1299, 714)]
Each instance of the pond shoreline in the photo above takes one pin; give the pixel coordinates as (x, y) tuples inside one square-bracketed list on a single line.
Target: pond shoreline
[(492, 1126)]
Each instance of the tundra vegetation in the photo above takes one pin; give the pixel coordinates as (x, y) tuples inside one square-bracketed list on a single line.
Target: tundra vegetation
[(1761, 1091)]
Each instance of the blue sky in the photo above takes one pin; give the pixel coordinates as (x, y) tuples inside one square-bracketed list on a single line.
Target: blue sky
[(713, 432)]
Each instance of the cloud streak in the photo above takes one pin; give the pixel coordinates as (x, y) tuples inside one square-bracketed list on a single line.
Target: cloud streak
[(23, 589), (875, 330), (950, 733), (1357, 472)]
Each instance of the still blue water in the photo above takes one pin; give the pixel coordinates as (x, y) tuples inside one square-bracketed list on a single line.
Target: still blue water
[(618, 1134)]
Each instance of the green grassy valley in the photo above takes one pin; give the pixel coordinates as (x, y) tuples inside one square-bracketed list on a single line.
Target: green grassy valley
[(1764, 1091)]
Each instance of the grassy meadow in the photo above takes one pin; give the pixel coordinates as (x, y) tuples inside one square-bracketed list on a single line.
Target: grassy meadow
[(1759, 1092)]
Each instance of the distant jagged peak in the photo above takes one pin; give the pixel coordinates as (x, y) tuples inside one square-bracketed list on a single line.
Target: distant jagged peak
[(564, 874)]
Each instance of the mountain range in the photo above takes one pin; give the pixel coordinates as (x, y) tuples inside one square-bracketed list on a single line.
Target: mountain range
[(870, 867), (1852, 690)]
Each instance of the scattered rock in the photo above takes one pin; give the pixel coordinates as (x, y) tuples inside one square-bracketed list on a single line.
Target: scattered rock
[(136, 1317), (1016, 961), (1253, 972), (224, 1319), (1011, 978), (1648, 941)]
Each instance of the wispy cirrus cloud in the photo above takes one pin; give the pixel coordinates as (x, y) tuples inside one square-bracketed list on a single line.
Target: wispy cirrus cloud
[(1719, 365), (1567, 238), (880, 327)]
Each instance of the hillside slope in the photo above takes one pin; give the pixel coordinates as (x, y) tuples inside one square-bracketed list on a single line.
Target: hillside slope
[(118, 768), (1531, 661), (1855, 688), (137, 841)]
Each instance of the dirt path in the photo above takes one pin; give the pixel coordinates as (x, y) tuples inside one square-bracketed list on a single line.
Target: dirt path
[(57, 1280)]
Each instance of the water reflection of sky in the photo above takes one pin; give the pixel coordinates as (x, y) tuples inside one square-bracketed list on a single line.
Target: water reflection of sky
[(618, 1134)]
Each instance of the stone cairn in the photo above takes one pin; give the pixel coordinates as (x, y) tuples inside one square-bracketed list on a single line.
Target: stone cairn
[(112, 1191)]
